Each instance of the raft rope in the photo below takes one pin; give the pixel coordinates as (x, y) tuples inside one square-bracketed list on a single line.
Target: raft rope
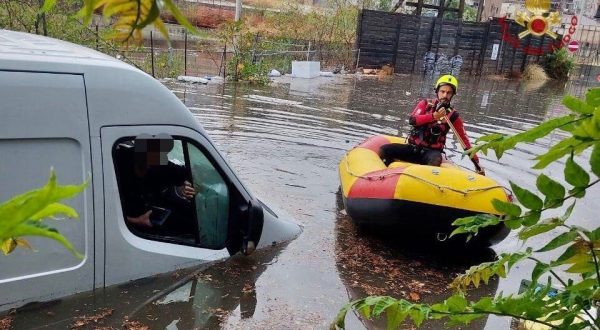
[(439, 186)]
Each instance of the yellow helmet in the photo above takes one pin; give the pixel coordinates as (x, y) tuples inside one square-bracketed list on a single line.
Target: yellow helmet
[(447, 80)]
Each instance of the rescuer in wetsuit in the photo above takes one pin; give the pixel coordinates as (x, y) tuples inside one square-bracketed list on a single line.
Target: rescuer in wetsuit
[(427, 137)]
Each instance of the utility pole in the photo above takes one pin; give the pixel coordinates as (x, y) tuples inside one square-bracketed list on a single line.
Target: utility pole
[(238, 9)]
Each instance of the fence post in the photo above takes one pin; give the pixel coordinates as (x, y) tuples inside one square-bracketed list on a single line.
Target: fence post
[(254, 48), (398, 28), (308, 52), (224, 62), (484, 47), (358, 36), (185, 52), (152, 53), (97, 41)]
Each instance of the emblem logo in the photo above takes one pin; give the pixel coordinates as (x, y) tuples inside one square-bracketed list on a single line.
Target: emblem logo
[(539, 20)]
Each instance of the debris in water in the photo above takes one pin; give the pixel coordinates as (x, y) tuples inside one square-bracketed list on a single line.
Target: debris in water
[(81, 321), (414, 296), (134, 325), (6, 322)]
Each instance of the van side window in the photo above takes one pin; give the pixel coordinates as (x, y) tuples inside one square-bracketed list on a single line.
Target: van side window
[(170, 191)]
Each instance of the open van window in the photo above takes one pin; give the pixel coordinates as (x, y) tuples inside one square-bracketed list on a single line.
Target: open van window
[(171, 191)]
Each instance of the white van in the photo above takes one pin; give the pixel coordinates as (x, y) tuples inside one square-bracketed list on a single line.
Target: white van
[(78, 111)]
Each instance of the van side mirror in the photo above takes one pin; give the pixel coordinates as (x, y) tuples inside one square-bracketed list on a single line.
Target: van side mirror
[(253, 227)]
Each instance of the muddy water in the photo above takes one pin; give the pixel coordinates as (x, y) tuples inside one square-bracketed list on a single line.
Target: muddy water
[(285, 142)]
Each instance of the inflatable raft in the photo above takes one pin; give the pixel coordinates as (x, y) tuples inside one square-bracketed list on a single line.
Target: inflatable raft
[(418, 197)]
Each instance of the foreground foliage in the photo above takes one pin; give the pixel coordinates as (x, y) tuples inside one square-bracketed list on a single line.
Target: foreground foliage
[(128, 17), (575, 273), (23, 215)]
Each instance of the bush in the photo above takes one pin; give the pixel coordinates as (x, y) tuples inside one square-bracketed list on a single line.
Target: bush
[(166, 64), (558, 64)]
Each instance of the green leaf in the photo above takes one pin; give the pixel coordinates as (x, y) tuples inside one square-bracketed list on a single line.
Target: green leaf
[(594, 235), (531, 218), (577, 192), (527, 198), (32, 230), (583, 285), (559, 241), (490, 137), (382, 305), (558, 151), (539, 269), (567, 213), (484, 304), (539, 228), (48, 5), (550, 188), (340, 320), (582, 267), (22, 207), (578, 105), (395, 315), (575, 174), (587, 130), (87, 10), (592, 97), (595, 159), (456, 303), (417, 315), (455, 320), (506, 208), (542, 129), (474, 223), (512, 223), (573, 251), (55, 209)]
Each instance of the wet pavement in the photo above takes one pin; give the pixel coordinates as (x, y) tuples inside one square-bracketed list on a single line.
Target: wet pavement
[(285, 142)]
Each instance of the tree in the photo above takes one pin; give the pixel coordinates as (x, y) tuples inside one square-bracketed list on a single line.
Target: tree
[(569, 307)]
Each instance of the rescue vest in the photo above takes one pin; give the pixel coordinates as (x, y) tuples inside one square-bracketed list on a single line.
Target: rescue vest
[(431, 135)]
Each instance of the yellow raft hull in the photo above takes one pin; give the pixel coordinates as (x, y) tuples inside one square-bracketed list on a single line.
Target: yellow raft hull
[(426, 198)]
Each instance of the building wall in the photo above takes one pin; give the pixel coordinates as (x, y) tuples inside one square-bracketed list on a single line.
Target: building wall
[(491, 8)]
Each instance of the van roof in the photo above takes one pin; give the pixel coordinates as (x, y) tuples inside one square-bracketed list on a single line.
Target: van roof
[(116, 93), (30, 51)]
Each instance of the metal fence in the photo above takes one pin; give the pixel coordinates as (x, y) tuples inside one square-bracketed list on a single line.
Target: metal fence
[(185, 55)]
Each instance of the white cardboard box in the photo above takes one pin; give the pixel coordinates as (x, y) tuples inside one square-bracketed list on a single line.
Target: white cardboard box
[(306, 69)]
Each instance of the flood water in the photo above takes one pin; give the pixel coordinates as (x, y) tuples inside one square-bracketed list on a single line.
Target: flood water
[(285, 142)]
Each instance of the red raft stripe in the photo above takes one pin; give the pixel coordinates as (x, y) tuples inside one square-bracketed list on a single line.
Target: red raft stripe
[(379, 184), (374, 143)]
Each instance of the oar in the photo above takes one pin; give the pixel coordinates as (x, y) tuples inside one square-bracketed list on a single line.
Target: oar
[(463, 145)]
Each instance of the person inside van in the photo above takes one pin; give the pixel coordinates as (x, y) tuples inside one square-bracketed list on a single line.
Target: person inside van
[(156, 192)]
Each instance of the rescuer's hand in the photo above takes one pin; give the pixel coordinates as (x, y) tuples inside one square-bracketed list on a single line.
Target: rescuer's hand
[(439, 114)]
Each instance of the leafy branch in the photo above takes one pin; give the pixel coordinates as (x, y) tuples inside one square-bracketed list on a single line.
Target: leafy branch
[(23, 215), (132, 16), (568, 307)]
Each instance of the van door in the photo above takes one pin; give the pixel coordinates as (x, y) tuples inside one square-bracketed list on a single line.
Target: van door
[(221, 219), (44, 125)]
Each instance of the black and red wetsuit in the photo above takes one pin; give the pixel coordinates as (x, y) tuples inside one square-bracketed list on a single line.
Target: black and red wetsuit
[(427, 137)]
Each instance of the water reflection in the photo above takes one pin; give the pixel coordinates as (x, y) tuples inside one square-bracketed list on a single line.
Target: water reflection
[(403, 265), (187, 299)]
